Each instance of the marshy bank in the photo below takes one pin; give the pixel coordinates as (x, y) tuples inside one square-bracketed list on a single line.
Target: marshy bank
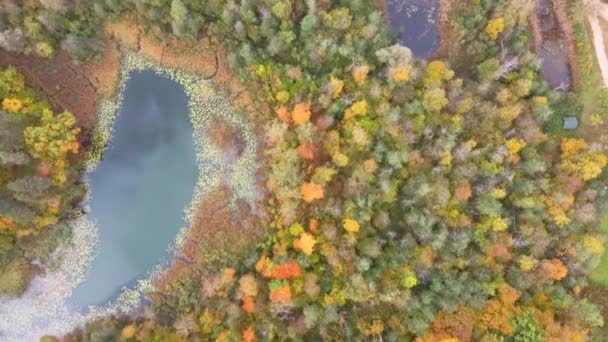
[(552, 40)]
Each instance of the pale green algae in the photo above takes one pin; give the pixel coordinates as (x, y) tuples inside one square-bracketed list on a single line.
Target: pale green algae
[(43, 309)]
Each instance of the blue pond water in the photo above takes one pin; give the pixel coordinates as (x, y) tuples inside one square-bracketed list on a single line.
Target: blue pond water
[(415, 24), (141, 187)]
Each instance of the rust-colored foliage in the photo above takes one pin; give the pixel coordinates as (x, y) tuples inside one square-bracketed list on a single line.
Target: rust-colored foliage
[(495, 315), (553, 269), (313, 225), (287, 270), (249, 334), (463, 192), (301, 113), (283, 114), (129, 331), (282, 294), (311, 191), (457, 325), (307, 151), (248, 304)]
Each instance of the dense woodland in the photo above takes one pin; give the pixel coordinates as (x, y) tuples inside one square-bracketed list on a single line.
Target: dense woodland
[(38, 182), (429, 200)]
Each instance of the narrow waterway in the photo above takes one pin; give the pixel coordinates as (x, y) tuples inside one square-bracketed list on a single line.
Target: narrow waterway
[(553, 49), (141, 187), (415, 23)]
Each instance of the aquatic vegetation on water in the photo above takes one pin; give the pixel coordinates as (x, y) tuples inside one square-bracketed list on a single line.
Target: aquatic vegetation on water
[(43, 309)]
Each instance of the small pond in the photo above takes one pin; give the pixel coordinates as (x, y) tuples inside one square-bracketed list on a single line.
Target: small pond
[(415, 22), (553, 50), (141, 187)]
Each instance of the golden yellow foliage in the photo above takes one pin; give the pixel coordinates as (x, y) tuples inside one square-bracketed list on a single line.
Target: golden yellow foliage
[(248, 285), (351, 225), (11, 105), (540, 100), (301, 113), (360, 73), (357, 108), (514, 145), (370, 166), (282, 96), (593, 244), (446, 159), (264, 266), (401, 74), (437, 71), (498, 193), (340, 159), (311, 191), (495, 27), (336, 87), (306, 243), (570, 146), (526, 263), (128, 331), (575, 160)]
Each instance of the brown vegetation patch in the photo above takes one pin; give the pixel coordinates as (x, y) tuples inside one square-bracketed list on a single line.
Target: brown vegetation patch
[(65, 85), (537, 35), (219, 236), (446, 29), (227, 138)]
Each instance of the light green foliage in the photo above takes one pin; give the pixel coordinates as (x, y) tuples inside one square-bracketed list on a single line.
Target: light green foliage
[(282, 9), (526, 328), (13, 278)]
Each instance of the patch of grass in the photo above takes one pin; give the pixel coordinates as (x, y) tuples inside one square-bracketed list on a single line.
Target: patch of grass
[(600, 273)]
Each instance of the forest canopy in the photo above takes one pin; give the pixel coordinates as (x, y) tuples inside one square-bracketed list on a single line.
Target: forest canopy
[(410, 199), (39, 184)]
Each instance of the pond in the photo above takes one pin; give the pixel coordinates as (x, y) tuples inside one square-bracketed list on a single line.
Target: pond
[(553, 50), (141, 187), (415, 23)]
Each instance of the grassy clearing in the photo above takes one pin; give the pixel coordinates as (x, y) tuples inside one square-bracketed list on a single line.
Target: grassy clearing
[(590, 89), (600, 274)]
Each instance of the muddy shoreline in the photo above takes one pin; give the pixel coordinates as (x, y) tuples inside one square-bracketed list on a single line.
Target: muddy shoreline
[(567, 33)]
